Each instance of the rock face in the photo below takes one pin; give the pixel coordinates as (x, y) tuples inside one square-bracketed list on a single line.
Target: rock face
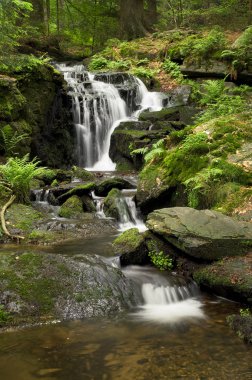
[(36, 103), (230, 277), (36, 286), (201, 234)]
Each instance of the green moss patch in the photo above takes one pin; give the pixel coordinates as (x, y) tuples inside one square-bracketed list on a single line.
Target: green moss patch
[(231, 277), (71, 208), (22, 217)]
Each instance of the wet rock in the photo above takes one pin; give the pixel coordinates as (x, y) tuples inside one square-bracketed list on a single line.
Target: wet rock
[(230, 278), (242, 325), (79, 190), (111, 201), (38, 287), (131, 248), (201, 234), (166, 114), (72, 207), (103, 188)]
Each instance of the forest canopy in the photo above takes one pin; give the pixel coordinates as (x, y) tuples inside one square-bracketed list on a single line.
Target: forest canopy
[(88, 24)]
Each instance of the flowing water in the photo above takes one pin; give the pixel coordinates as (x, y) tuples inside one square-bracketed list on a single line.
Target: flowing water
[(175, 332), (98, 108)]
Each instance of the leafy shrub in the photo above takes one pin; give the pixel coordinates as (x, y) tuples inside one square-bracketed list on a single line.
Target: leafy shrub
[(98, 63), (143, 72), (173, 69), (9, 140), (18, 63), (224, 105), (161, 260), (212, 90), (17, 175)]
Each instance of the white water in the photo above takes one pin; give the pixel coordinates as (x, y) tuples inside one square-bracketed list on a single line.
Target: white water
[(129, 215), (163, 300), (97, 110)]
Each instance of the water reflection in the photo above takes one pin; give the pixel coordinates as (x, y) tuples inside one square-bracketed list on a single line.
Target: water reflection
[(124, 349)]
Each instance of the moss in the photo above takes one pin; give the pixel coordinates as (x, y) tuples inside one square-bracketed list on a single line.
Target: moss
[(78, 190), (204, 159), (242, 325), (129, 240), (165, 114), (22, 217), (82, 174), (71, 208), (44, 237), (230, 277), (22, 275), (111, 204)]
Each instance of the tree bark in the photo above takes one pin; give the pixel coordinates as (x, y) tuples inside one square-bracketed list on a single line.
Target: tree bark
[(132, 18)]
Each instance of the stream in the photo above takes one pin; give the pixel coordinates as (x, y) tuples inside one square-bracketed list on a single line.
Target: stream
[(175, 332)]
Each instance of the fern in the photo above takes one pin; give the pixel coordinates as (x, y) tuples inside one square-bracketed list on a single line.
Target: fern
[(17, 175), (10, 141), (142, 151)]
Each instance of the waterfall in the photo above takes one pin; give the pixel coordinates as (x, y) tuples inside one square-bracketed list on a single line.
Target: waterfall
[(97, 108), (165, 298), (99, 103), (129, 217)]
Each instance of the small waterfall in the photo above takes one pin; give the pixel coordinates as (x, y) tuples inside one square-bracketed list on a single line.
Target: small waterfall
[(98, 201), (41, 195), (166, 298), (96, 107), (129, 217), (99, 103)]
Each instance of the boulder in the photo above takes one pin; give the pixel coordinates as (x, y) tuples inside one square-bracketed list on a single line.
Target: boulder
[(111, 201), (131, 248), (166, 114), (65, 193), (230, 278), (242, 325), (202, 234), (41, 286), (71, 208), (103, 188)]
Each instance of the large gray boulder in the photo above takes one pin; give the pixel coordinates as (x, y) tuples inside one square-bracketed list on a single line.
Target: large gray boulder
[(41, 286), (202, 234)]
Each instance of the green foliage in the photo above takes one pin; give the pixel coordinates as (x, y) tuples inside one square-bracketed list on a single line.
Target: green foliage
[(9, 140), (17, 175), (160, 260), (98, 63), (212, 90), (143, 72), (18, 63), (245, 312), (158, 149), (224, 105), (13, 25), (4, 316), (172, 68)]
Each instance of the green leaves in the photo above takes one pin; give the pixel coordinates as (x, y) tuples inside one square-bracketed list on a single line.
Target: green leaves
[(17, 174)]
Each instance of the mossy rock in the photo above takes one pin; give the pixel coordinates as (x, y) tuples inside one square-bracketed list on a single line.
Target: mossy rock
[(103, 188), (82, 174), (78, 190), (36, 287), (201, 234), (230, 278), (21, 218), (131, 248), (242, 325), (166, 114), (11, 99), (111, 204), (200, 161), (71, 208)]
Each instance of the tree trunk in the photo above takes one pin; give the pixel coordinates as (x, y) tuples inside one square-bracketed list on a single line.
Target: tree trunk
[(37, 15), (151, 13), (46, 13), (132, 18)]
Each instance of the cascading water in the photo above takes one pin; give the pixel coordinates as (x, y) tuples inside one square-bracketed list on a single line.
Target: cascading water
[(165, 299), (98, 108)]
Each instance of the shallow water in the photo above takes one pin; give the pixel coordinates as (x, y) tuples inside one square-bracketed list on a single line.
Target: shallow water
[(125, 348), (185, 340)]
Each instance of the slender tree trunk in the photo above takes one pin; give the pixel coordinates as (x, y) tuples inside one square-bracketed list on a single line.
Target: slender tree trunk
[(152, 14), (46, 12)]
